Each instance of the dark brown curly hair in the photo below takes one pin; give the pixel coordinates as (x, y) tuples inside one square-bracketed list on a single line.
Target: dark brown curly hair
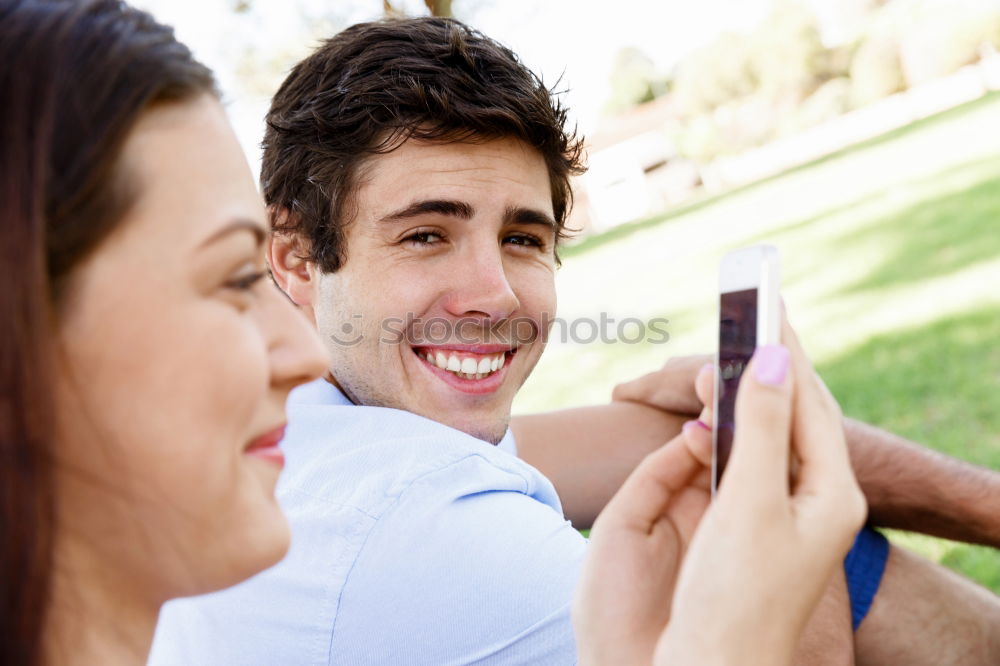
[(375, 85)]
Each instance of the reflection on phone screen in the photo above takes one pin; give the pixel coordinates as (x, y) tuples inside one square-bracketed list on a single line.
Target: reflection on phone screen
[(737, 341)]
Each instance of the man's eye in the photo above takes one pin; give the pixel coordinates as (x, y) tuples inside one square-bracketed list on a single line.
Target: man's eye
[(423, 238), (524, 239)]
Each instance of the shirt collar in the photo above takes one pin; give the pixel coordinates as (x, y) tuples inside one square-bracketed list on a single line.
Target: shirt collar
[(322, 392)]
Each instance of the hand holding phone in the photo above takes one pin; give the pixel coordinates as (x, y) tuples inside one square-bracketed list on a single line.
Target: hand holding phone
[(744, 580), (749, 317), (765, 550)]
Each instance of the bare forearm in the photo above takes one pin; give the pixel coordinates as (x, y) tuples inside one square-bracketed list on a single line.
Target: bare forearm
[(588, 452), (914, 488)]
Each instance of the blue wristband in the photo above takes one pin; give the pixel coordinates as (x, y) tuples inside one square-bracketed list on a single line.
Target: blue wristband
[(863, 567)]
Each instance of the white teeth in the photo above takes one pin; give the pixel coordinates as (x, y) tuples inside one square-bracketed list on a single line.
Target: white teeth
[(467, 368)]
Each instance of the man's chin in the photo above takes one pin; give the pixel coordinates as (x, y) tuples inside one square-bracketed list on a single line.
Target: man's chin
[(488, 430)]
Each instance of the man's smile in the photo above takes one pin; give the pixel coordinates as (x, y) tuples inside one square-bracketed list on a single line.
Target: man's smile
[(473, 369)]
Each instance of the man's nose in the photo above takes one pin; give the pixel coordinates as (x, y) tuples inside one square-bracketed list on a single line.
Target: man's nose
[(480, 286)]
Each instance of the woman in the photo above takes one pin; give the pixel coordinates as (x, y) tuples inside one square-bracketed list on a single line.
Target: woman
[(146, 356)]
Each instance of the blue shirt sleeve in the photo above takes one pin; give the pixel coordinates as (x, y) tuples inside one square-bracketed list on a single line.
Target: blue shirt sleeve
[(462, 570)]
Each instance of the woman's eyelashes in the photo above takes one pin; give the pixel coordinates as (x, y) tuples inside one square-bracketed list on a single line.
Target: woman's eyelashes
[(246, 281)]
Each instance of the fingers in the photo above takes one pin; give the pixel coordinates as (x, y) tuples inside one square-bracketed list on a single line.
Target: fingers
[(705, 389), (758, 467), (825, 471), (698, 438), (818, 417), (704, 384), (644, 496), (670, 388)]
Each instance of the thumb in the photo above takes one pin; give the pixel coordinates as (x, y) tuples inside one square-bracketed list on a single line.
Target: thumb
[(760, 457), (643, 498)]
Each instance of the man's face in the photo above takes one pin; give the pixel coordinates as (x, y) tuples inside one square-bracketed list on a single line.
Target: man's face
[(448, 279)]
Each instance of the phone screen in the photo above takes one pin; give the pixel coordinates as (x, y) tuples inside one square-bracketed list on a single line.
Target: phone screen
[(737, 341)]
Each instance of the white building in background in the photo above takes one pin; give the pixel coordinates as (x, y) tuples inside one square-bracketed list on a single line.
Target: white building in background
[(635, 170)]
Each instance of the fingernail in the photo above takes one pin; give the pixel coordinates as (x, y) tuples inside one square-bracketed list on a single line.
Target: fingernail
[(770, 364), (695, 424), (707, 366)]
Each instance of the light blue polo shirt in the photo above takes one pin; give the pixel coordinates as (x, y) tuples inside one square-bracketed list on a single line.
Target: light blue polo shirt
[(412, 543)]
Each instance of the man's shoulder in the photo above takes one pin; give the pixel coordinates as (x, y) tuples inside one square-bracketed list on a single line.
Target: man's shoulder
[(467, 566), (368, 457), (405, 523)]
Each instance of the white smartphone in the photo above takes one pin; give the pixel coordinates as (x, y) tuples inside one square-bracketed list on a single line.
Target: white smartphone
[(749, 317)]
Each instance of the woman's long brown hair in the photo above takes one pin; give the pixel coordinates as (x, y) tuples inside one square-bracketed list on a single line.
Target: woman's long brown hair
[(75, 75)]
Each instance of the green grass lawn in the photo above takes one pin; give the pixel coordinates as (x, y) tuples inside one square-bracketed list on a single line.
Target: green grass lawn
[(891, 272)]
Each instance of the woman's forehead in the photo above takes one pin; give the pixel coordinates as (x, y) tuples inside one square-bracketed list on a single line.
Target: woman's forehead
[(190, 174)]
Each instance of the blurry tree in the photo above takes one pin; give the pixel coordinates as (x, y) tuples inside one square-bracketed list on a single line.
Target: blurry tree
[(439, 7), (909, 42), (701, 139), (261, 59), (830, 100), (936, 37), (435, 7), (787, 56), (783, 59), (715, 74), (635, 80), (876, 70)]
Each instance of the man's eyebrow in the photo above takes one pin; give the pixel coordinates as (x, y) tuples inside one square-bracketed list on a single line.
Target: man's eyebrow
[(516, 215), (448, 207), (256, 228)]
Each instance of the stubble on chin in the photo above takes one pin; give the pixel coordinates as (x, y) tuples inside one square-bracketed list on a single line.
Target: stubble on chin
[(492, 433)]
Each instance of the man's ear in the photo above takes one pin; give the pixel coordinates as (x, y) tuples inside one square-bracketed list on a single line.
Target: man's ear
[(287, 255)]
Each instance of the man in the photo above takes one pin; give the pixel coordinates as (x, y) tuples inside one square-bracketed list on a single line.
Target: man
[(417, 176)]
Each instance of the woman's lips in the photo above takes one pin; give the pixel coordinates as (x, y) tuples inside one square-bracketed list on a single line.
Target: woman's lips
[(266, 447)]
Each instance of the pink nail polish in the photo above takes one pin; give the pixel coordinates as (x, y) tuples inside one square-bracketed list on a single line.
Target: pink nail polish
[(771, 364), (688, 425)]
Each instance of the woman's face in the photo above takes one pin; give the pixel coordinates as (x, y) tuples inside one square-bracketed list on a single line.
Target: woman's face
[(177, 355)]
